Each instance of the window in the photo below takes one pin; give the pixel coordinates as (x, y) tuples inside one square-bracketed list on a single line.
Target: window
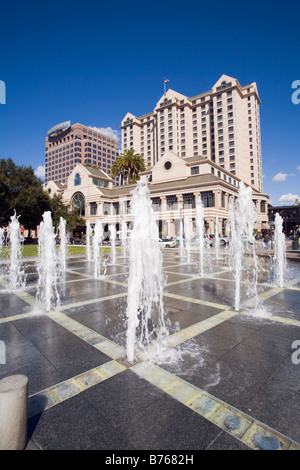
[(93, 208), (77, 180), (116, 208), (78, 202), (101, 183), (208, 199), (156, 204), (106, 208), (262, 206), (188, 201), (171, 203), (195, 170), (223, 199)]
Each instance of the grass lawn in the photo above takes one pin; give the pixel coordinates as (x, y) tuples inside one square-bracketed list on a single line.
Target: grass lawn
[(32, 250)]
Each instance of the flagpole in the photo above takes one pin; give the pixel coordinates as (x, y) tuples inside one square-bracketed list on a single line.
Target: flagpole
[(165, 81)]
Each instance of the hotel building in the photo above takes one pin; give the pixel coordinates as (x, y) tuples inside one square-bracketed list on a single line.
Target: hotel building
[(67, 145), (221, 125), (174, 182), (202, 146)]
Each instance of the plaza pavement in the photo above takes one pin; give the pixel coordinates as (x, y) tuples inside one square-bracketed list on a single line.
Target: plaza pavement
[(228, 380)]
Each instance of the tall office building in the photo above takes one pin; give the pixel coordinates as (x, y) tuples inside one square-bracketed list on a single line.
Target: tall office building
[(222, 125), (67, 145)]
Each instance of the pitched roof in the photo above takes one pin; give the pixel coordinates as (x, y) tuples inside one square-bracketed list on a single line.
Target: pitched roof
[(97, 172)]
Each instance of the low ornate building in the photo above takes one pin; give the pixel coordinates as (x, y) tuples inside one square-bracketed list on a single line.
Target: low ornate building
[(290, 216), (175, 183)]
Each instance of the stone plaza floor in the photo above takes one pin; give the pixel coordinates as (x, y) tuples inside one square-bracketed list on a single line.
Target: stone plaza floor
[(228, 379)]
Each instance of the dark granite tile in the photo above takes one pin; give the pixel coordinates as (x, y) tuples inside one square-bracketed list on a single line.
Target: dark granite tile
[(8, 332), (209, 373), (288, 375), (75, 425), (259, 363), (38, 326), (18, 355), (87, 289), (187, 306), (277, 406), (147, 416), (41, 374), (77, 359), (181, 318), (11, 304), (266, 341), (106, 318), (288, 297)]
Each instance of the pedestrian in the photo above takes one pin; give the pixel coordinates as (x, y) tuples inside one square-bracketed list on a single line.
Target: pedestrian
[(266, 240)]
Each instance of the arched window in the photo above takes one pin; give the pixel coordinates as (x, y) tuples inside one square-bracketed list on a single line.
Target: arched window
[(78, 202), (77, 180)]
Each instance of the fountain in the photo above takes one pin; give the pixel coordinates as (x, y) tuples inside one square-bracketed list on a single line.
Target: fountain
[(187, 238), (16, 275), (242, 218), (62, 256), (1, 238), (145, 311), (123, 237), (88, 240), (200, 232), (217, 241), (112, 229), (47, 265), (99, 262), (181, 245), (279, 252)]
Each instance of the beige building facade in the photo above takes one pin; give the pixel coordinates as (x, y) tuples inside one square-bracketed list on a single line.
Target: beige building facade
[(174, 182), (67, 145), (221, 125)]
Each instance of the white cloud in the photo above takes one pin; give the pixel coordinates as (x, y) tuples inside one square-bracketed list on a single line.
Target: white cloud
[(290, 198), (113, 134), (280, 177), (40, 172), (298, 167)]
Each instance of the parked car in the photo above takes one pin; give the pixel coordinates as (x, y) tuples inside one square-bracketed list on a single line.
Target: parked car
[(77, 241), (195, 240), (176, 240), (223, 241), (167, 243)]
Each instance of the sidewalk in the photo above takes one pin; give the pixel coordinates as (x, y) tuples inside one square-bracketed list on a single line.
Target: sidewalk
[(227, 379)]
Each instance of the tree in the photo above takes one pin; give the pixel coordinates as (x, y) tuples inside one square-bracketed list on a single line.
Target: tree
[(60, 209), (128, 165), (21, 191), (118, 168)]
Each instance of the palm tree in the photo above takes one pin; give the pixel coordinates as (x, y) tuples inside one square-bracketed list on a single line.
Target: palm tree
[(128, 165), (118, 168)]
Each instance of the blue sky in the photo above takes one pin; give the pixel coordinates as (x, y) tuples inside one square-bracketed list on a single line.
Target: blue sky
[(92, 62)]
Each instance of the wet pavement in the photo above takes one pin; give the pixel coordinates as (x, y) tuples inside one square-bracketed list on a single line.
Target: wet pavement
[(226, 380)]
